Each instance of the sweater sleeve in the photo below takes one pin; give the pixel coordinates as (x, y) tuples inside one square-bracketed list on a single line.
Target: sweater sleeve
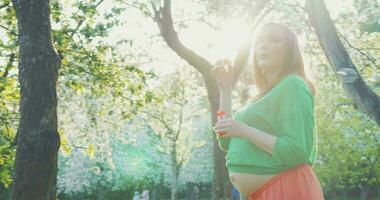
[(296, 131)]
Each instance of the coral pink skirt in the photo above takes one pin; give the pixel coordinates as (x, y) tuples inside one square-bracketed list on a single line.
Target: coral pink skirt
[(297, 183)]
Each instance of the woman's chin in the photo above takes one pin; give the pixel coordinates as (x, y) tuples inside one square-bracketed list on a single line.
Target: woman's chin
[(263, 65)]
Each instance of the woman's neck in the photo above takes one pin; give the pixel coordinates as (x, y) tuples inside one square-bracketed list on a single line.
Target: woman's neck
[(271, 76)]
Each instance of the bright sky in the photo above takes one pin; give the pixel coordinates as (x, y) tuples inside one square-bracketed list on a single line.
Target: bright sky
[(198, 36)]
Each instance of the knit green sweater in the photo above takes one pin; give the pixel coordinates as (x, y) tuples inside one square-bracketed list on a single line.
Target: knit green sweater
[(287, 112)]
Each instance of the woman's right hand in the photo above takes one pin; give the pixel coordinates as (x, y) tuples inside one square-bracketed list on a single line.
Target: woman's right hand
[(223, 74)]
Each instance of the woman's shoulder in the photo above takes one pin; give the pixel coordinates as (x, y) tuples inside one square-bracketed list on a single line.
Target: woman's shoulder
[(287, 86), (293, 83), (293, 87), (293, 80)]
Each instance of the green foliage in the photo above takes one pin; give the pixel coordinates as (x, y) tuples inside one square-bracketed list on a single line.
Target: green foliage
[(7, 153), (137, 154), (370, 16), (348, 143), (9, 93), (90, 67)]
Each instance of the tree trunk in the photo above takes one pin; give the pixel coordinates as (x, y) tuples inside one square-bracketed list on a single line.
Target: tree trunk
[(154, 194), (220, 179), (189, 190), (365, 99), (366, 192), (101, 192), (37, 137), (175, 173)]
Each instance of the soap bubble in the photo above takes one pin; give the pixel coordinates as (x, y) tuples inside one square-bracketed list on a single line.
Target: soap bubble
[(348, 75)]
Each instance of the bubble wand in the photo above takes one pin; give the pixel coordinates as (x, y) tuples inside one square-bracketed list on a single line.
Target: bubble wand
[(220, 113), (220, 116)]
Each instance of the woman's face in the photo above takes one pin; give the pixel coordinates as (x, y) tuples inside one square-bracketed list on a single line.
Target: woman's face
[(269, 48)]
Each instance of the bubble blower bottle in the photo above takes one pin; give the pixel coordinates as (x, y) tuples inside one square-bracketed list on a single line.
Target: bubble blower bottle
[(220, 116), (220, 113)]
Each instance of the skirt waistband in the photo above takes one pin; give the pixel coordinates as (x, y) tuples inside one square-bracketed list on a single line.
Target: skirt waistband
[(275, 179)]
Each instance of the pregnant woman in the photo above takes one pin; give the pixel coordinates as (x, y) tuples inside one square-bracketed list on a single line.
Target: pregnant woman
[(271, 142)]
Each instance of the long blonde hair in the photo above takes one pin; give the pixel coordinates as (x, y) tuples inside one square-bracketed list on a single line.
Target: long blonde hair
[(293, 63)]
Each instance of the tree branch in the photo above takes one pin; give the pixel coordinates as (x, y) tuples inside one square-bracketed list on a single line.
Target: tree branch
[(4, 5), (163, 18), (361, 94), (9, 64), (139, 7), (81, 21), (370, 58)]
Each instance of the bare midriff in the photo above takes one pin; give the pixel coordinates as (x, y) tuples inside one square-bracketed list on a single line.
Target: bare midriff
[(247, 183)]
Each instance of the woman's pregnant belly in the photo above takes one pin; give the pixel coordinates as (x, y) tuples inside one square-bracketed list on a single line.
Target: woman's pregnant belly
[(247, 183)]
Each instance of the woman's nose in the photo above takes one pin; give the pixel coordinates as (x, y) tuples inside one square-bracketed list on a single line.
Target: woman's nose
[(263, 46)]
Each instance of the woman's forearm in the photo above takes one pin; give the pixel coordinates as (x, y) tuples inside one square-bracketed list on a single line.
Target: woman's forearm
[(225, 102), (259, 138)]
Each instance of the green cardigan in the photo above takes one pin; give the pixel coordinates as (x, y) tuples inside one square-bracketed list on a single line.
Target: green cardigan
[(287, 112)]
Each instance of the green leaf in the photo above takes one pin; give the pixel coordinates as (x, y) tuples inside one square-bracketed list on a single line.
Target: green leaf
[(90, 151)]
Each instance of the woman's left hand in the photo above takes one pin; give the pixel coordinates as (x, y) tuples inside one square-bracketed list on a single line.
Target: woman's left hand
[(231, 128)]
